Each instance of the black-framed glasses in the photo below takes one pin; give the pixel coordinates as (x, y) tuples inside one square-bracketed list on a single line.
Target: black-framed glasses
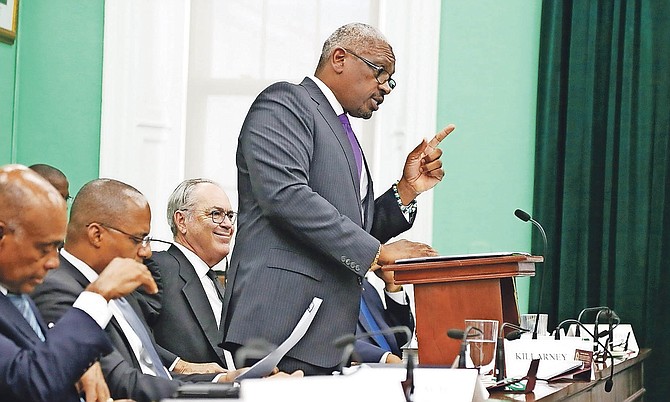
[(143, 240), (381, 75), (219, 216)]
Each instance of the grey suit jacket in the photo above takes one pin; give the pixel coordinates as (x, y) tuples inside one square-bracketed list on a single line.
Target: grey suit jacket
[(185, 324), (125, 379), (300, 232)]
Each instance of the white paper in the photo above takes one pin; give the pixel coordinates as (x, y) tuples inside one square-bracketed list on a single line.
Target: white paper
[(370, 384), (265, 366)]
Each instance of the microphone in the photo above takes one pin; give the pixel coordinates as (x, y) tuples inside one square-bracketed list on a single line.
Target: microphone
[(347, 341), (557, 335), (463, 336), (500, 347), (587, 310), (524, 216)]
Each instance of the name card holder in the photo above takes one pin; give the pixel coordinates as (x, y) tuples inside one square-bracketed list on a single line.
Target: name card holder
[(558, 358)]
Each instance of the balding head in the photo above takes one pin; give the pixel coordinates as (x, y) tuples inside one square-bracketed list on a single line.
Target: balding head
[(106, 218), (355, 36), (32, 225), (55, 177)]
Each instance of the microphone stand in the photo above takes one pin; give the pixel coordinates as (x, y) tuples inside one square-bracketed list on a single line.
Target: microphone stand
[(557, 335), (463, 336), (500, 347), (524, 216)]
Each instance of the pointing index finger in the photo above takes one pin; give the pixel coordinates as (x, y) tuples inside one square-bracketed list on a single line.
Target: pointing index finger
[(442, 134)]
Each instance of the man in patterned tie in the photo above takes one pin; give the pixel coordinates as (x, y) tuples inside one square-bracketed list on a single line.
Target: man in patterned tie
[(202, 223), (36, 363)]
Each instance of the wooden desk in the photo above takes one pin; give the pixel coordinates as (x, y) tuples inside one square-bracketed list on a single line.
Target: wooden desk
[(628, 386)]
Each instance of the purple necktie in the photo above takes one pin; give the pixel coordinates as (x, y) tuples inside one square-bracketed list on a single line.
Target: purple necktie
[(352, 140)]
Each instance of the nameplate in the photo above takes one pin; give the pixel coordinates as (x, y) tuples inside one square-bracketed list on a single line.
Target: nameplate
[(557, 357), (623, 341)]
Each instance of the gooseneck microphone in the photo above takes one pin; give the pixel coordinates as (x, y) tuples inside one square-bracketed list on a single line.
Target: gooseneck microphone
[(557, 335), (524, 216), (463, 337), (500, 347)]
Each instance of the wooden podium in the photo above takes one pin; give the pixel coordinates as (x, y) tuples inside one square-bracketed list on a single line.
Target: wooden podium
[(447, 292)]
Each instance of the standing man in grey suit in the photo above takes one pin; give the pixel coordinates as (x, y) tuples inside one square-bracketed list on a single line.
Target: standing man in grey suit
[(309, 225), (202, 223)]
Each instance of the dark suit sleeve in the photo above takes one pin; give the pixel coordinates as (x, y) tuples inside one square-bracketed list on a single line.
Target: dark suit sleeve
[(367, 352), (49, 370), (125, 381), (389, 220), (399, 314)]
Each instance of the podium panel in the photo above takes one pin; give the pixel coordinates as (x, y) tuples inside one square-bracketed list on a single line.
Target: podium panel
[(448, 292)]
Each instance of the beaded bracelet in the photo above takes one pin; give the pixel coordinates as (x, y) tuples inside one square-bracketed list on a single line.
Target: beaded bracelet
[(376, 260), (405, 209)]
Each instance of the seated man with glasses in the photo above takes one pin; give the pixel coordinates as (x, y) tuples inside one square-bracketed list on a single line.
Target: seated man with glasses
[(111, 219), (202, 223)]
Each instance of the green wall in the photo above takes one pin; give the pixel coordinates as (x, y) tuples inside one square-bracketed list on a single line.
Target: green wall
[(487, 87), (52, 81)]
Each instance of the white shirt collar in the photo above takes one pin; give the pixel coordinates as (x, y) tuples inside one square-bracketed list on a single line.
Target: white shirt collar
[(3, 290), (81, 266), (329, 95), (201, 268)]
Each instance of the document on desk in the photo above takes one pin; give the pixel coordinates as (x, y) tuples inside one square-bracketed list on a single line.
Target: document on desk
[(265, 366)]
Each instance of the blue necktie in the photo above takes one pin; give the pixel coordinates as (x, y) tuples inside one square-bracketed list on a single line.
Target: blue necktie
[(148, 353), (379, 338), (22, 304)]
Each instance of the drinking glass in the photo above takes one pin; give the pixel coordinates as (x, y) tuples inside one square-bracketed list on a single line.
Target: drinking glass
[(482, 346), (527, 321)]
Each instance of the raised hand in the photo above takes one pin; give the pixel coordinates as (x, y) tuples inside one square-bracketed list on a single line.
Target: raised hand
[(423, 167)]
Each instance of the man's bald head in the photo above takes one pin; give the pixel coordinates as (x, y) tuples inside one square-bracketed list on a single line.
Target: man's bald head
[(108, 219), (21, 189), (32, 226), (103, 200)]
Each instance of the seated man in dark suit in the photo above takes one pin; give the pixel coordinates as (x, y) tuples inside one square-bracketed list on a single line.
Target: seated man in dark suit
[(383, 348), (111, 219), (202, 223), (36, 363)]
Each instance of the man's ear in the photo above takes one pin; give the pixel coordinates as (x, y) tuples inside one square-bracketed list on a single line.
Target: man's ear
[(94, 234), (337, 59), (179, 219)]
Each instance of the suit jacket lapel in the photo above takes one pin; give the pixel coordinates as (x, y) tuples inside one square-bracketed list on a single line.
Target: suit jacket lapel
[(13, 315), (113, 325), (335, 125), (197, 300)]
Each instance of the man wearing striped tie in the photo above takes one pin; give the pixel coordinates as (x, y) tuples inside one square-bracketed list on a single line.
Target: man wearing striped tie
[(36, 363)]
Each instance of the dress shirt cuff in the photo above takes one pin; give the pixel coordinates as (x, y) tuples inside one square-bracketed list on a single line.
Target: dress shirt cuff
[(384, 356), (218, 376), (95, 306), (398, 297), (174, 363)]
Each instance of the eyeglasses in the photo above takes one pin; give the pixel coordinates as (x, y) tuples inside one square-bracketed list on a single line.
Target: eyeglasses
[(382, 76), (219, 216), (137, 240)]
